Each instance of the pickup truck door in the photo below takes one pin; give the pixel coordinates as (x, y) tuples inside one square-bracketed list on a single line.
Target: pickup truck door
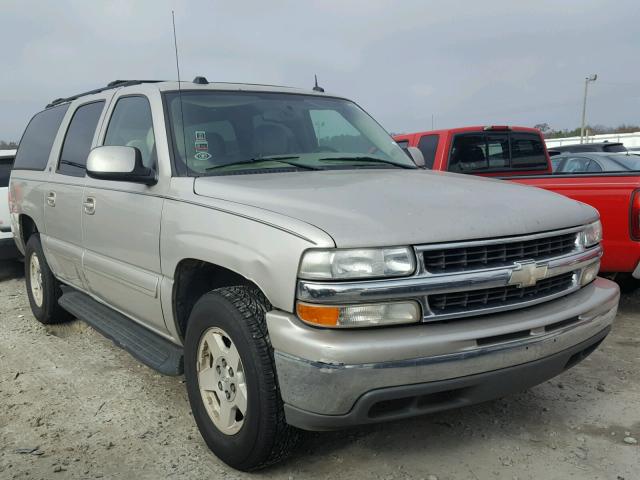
[(62, 236), (121, 223)]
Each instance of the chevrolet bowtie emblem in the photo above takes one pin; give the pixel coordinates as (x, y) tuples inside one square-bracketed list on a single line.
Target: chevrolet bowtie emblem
[(526, 274)]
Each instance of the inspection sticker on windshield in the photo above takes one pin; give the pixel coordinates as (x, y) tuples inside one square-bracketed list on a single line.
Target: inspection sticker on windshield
[(202, 156), (200, 135), (202, 146)]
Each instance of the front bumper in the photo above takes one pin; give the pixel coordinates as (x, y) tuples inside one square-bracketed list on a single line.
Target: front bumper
[(331, 379)]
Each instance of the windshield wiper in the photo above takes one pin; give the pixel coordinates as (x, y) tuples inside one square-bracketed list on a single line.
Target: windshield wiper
[(364, 158), (73, 164), (286, 159)]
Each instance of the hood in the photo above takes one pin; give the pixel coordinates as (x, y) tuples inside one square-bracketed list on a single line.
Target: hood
[(382, 207)]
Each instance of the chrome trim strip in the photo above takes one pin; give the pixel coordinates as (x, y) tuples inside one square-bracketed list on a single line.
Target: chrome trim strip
[(420, 285)]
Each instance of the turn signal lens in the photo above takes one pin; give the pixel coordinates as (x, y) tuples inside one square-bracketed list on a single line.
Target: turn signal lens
[(319, 315), (354, 316)]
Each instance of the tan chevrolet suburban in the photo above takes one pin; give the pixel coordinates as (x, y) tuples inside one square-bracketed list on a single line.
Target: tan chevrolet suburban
[(280, 249)]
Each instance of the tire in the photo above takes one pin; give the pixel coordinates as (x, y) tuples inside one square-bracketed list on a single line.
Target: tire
[(259, 436), (44, 293), (627, 283)]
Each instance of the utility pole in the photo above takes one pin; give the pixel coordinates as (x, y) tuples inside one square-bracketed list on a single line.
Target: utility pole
[(590, 78)]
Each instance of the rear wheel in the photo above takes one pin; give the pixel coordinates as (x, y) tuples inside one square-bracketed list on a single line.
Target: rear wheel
[(43, 290), (231, 379)]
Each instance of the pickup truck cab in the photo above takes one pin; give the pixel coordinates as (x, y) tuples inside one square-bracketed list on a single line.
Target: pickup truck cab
[(491, 151), (519, 154), (259, 239)]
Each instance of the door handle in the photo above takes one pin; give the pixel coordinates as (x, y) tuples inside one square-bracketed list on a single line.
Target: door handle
[(51, 199), (89, 205)]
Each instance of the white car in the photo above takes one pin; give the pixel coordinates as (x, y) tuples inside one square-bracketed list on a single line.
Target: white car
[(7, 245)]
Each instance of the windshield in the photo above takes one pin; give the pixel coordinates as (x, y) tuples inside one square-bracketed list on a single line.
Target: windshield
[(254, 132)]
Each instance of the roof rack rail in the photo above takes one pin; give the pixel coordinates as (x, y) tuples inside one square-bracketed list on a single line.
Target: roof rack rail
[(110, 85)]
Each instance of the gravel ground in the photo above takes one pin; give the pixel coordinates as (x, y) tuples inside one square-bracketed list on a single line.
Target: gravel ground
[(72, 405)]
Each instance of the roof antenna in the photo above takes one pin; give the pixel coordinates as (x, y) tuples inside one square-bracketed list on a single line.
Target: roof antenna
[(175, 43), (316, 88)]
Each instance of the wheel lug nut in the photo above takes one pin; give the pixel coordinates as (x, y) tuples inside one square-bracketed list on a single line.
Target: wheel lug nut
[(218, 369), (219, 385), (230, 372), (228, 395), (224, 362), (233, 387)]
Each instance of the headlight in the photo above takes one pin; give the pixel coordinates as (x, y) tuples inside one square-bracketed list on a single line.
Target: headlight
[(592, 234), (353, 316), (336, 264)]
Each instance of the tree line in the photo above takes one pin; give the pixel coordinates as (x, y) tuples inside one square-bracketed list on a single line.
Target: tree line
[(7, 145), (549, 132)]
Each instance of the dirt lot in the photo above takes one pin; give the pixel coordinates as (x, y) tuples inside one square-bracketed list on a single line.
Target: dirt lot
[(72, 405)]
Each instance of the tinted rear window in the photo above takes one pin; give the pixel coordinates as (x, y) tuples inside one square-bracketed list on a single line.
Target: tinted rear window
[(5, 171), (428, 145), (478, 152), (527, 151), (77, 142), (37, 140)]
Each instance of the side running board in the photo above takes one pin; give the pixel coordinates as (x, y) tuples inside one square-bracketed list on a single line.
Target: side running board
[(148, 347)]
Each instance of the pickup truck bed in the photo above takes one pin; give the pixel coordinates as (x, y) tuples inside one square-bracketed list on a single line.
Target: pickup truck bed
[(611, 194)]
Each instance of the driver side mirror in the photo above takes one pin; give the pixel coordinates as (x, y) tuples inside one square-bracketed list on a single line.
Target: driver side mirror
[(120, 164), (416, 155)]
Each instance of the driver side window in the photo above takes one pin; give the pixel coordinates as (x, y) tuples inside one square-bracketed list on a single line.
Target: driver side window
[(131, 125)]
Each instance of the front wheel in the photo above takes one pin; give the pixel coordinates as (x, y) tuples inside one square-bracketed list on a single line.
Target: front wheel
[(231, 379)]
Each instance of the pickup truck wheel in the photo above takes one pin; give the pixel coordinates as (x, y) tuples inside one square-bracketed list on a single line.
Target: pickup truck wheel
[(231, 379), (43, 289)]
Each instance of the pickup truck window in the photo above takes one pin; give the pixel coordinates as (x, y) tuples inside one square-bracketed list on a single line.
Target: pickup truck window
[(477, 152), (37, 140), (131, 125), (263, 132), (527, 151), (428, 145), (77, 141)]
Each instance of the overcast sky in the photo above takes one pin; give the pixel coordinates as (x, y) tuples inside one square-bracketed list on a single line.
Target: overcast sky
[(489, 62)]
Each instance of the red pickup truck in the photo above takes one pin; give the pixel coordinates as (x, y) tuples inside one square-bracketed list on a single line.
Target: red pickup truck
[(519, 154)]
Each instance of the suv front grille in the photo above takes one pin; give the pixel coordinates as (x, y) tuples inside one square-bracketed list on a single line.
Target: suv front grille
[(450, 303), (450, 260)]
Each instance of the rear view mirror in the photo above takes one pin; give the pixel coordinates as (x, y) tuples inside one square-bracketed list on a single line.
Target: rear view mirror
[(119, 164), (416, 156)]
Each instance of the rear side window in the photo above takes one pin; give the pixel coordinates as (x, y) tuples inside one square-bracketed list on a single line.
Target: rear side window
[(131, 126), (5, 171), (77, 142), (428, 145), (37, 140)]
